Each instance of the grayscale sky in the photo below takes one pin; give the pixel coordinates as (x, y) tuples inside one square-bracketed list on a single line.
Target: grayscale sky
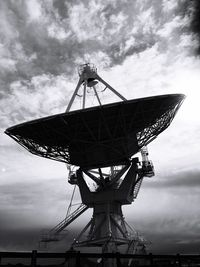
[(142, 48)]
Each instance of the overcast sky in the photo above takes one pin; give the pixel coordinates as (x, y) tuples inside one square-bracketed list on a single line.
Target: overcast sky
[(141, 48)]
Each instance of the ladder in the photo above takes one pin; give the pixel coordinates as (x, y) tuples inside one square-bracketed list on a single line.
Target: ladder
[(137, 188)]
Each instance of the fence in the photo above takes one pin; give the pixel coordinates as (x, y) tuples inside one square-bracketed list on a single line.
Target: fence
[(78, 259)]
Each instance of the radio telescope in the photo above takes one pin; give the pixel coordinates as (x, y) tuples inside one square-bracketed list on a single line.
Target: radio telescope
[(101, 141)]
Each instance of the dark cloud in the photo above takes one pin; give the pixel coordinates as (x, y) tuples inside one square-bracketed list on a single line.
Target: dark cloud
[(20, 240), (195, 22), (30, 39), (181, 180), (168, 243), (61, 6), (27, 240), (33, 204), (166, 235)]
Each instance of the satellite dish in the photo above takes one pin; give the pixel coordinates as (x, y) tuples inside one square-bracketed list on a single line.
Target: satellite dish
[(99, 138)]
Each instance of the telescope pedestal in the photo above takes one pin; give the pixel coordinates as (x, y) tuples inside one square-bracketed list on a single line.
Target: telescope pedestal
[(107, 228)]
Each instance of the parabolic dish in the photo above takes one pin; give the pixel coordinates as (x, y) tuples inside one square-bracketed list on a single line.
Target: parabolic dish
[(98, 136)]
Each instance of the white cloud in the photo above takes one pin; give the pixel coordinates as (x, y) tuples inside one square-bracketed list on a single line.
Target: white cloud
[(7, 65), (167, 30), (117, 22), (58, 32), (100, 59), (86, 22), (43, 95), (169, 5), (34, 10)]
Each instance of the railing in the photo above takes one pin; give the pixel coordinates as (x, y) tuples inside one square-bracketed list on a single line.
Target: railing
[(78, 259)]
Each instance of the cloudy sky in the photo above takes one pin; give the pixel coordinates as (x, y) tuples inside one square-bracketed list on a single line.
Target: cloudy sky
[(141, 48)]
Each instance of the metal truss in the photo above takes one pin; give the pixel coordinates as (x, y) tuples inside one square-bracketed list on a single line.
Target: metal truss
[(149, 133)]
